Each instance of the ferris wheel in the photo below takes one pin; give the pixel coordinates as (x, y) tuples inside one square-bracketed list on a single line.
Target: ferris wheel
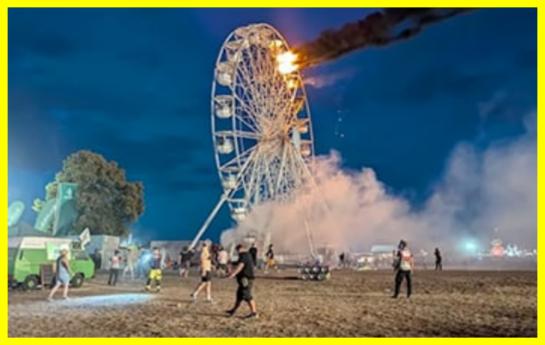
[(261, 123)]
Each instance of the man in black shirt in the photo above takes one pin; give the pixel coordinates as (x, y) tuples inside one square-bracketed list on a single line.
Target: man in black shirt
[(253, 253), (244, 273), (438, 260), (97, 259), (185, 261)]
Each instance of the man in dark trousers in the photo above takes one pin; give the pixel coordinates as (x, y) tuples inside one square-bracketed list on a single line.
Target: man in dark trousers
[(185, 261), (115, 267), (403, 268), (253, 253), (244, 272), (97, 259), (341, 260), (438, 260)]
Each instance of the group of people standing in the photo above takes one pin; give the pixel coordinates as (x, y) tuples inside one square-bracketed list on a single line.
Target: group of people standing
[(125, 264)]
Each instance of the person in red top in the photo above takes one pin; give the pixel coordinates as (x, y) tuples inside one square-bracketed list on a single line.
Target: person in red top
[(403, 268)]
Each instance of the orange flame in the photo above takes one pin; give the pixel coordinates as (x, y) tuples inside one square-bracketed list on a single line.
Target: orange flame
[(286, 62)]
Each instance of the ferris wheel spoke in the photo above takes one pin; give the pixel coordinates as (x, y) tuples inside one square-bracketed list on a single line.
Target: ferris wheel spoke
[(292, 154), (270, 163), (246, 134), (255, 133), (305, 173), (256, 66), (238, 134), (253, 190), (245, 75), (232, 163), (281, 169), (272, 96), (246, 103), (248, 120)]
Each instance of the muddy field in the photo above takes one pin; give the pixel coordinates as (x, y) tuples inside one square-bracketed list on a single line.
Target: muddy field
[(351, 304)]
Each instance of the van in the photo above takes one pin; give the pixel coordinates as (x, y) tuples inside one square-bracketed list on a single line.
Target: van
[(31, 261)]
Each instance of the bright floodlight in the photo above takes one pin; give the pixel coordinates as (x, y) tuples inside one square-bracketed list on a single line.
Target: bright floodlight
[(470, 246)]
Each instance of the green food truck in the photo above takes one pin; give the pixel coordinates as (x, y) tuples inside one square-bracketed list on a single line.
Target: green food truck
[(31, 261)]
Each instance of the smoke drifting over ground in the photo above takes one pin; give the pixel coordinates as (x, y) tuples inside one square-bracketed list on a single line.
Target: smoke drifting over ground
[(378, 29), (483, 195)]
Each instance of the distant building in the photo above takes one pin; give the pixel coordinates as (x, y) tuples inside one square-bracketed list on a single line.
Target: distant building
[(382, 249)]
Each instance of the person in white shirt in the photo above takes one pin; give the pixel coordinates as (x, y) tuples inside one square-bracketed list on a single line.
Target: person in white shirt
[(115, 267), (132, 258), (403, 267), (223, 260)]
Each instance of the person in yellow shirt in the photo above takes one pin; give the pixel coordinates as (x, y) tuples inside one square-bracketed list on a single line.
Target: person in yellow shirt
[(206, 273), (155, 273)]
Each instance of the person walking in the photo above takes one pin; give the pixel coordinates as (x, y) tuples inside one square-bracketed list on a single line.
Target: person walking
[(342, 258), (223, 260), (271, 262), (438, 260), (403, 267), (253, 253), (206, 275), (185, 261), (155, 274), (62, 275), (244, 273), (115, 267)]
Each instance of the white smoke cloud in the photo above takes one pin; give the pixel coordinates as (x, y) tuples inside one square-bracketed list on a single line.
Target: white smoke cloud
[(483, 194)]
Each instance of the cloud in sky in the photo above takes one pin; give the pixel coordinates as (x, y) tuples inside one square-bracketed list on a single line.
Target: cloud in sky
[(480, 191)]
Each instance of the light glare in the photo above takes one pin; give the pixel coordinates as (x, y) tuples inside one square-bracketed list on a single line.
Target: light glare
[(286, 62)]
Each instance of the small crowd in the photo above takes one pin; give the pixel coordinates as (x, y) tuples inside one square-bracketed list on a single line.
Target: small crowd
[(215, 257)]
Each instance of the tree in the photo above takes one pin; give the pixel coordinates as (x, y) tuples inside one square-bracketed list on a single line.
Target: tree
[(106, 202)]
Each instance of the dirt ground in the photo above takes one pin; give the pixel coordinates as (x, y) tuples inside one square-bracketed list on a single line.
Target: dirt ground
[(350, 304)]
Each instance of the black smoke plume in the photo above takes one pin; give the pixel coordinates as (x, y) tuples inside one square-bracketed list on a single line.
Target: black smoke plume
[(377, 29)]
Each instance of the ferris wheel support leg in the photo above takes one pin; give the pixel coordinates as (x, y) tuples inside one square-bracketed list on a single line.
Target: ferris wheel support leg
[(208, 220), (220, 203)]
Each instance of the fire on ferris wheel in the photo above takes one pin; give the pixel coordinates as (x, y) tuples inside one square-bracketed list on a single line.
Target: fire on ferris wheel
[(261, 123)]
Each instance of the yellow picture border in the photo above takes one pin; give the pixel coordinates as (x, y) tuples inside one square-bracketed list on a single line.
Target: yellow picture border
[(6, 4)]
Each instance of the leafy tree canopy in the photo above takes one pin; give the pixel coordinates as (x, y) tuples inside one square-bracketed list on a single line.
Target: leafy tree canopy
[(106, 202)]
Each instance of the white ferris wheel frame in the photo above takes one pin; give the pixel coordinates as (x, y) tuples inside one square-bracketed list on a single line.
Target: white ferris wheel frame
[(252, 101)]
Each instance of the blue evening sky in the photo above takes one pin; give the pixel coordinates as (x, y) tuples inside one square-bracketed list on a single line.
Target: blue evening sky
[(134, 85)]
